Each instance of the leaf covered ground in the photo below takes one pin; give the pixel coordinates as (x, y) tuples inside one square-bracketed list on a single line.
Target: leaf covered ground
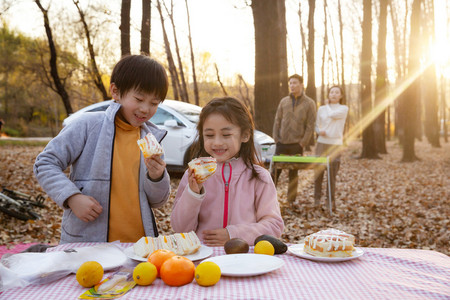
[(384, 203)]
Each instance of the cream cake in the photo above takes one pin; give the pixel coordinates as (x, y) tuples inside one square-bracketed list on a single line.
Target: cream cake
[(329, 243)]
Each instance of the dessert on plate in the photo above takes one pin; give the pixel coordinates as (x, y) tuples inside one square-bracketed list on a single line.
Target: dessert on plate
[(329, 243), (150, 146), (203, 167), (180, 243)]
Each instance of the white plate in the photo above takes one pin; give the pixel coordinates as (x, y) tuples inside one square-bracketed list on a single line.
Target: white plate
[(298, 251), (246, 264), (202, 253)]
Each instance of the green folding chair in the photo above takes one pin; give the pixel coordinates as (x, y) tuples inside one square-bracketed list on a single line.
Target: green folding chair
[(310, 160)]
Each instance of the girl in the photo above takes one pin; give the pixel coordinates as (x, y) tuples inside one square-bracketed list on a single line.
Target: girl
[(330, 127), (240, 199)]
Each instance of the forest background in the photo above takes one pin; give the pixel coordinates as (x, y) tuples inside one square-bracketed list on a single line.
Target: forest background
[(390, 56)]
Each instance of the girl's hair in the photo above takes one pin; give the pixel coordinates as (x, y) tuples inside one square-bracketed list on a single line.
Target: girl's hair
[(342, 100), (142, 73), (235, 112)]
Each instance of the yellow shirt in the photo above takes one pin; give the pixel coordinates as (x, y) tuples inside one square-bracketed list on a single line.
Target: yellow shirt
[(125, 221)]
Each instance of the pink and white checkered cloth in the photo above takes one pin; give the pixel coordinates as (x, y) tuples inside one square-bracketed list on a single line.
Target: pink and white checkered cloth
[(378, 274)]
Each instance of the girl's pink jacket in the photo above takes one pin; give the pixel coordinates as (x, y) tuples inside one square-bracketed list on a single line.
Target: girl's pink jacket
[(253, 207)]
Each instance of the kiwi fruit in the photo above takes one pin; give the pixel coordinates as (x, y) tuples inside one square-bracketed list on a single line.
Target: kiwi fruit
[(236, 245)]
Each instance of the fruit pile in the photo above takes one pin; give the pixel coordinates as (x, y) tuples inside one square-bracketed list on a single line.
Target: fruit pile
[(175, 270), (264, 244)]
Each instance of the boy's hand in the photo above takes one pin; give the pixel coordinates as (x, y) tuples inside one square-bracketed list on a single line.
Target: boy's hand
[(155, 167), (216, 237), (193, 185), (86, 208)]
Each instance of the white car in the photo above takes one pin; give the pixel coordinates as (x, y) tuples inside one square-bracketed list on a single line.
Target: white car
[(180, 120)]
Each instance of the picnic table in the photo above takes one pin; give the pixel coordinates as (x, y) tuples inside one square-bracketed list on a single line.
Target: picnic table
[(296, 162), (379, 273)]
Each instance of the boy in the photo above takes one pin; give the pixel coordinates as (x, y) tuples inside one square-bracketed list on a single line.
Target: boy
[(111, 189)]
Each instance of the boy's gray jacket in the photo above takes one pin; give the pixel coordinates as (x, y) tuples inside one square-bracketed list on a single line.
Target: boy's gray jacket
[(87, 146)]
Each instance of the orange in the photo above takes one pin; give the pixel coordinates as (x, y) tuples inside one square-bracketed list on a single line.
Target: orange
[(158, 257), (177, 271)]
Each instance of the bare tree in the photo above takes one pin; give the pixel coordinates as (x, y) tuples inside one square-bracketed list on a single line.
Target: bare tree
[(58, 82), (194, 76), (94, 71), (245, 95), (429, 78), (125, 27), (172, 68), (341, 37), (270, 60), (409, 100), (183, 91), (311, 86), (145, 26), (302, 34), (369, 149), (381, 80), (325, 45), (219, 80)]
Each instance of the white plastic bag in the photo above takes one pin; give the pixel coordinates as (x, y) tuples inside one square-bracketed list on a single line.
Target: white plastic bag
[(22, 269)]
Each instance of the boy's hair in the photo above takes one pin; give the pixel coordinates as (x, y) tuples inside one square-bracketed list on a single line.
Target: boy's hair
[(234, 111), (296, 76), (142, 73), (342, 100)]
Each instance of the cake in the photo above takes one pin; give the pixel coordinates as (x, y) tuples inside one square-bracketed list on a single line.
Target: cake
[(203, 167), (150, 146), (329, 243), (180, 243)]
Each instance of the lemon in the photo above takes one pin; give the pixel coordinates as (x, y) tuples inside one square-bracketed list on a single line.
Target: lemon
[(264, 247), (207, 273), (145, 273), (89, 274)]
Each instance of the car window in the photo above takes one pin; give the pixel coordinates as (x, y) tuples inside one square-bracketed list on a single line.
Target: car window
[(192, 113), (162, 115)]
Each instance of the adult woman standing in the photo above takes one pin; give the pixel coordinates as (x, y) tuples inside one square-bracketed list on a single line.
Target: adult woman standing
[(330, 124)]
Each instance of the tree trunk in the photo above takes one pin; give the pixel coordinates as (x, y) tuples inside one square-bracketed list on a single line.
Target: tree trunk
[(172, 68), (194, 76), (302, 34), (325, 45), (368, 138), (311, 86), (95, 73), (341, 37), (125, 27), (59, 86), (145, 27), (183, 91), (270, 34), (381, 81), (430, 82), (220, 81), (410, 97)]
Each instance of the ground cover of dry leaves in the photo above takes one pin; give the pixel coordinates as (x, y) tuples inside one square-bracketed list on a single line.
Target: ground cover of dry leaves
[(384, 203)]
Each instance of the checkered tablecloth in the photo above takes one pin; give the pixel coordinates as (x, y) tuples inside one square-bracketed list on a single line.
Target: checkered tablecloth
[(378, 274)]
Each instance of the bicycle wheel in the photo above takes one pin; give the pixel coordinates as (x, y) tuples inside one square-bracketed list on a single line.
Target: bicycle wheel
[(15, 212)]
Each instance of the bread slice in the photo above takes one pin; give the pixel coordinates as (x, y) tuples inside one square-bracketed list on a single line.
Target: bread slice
[(179, 243)]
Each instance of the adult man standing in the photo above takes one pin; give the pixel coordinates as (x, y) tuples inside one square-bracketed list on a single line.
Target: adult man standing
[(294, 127)]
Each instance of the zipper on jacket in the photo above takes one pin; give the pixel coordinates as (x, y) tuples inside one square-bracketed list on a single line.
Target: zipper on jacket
[(227, 186)]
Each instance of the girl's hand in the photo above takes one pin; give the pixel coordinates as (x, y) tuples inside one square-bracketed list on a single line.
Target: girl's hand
[(216, 237), (155, 167), (193, 185), (86, 208)]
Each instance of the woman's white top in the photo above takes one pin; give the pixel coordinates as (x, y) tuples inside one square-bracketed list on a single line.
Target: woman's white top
[(331, 119)]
